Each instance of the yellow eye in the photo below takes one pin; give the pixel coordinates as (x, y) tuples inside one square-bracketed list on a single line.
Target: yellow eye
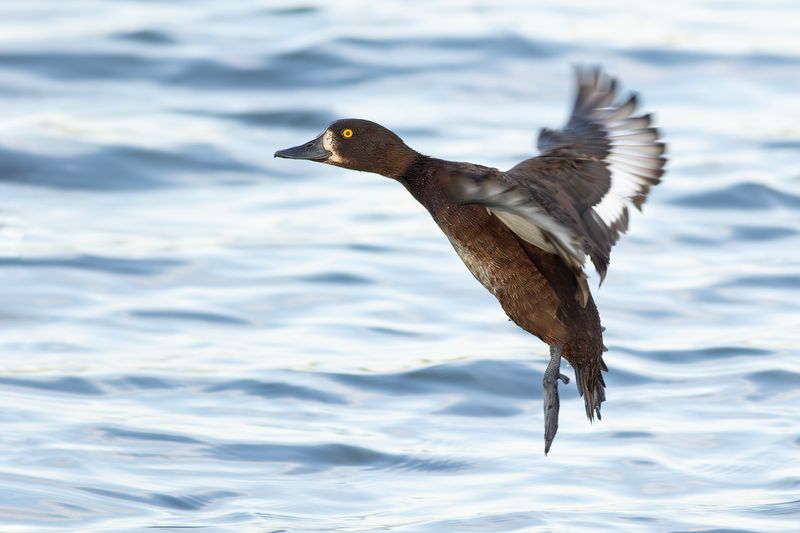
[(347, 133)]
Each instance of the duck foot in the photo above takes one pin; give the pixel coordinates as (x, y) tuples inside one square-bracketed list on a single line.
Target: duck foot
[(551, 402)]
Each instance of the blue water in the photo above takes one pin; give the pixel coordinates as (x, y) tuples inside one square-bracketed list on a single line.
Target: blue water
[(197, 335)]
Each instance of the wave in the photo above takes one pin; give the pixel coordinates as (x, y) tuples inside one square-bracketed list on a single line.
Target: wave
[(750, 196), (115, 168)]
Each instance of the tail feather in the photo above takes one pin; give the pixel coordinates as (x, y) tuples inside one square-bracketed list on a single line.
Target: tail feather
[(591, 386)]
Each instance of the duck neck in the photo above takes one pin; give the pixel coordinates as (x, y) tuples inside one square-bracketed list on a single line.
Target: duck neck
[(422, 179), (397, 161), (416, 175)]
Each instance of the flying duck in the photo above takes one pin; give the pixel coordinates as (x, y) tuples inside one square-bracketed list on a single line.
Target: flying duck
[(525, 233)]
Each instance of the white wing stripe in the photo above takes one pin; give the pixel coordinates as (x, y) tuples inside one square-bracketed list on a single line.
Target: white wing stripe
[(634, 159), (636, 123), (655, 149), (647, 136), (644, 173), (654, 163)]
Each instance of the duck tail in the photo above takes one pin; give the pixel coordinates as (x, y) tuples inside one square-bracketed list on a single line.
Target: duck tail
[(591, 385)]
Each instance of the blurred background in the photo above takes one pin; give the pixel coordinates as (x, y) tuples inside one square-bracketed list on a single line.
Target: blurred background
[(193, 334)]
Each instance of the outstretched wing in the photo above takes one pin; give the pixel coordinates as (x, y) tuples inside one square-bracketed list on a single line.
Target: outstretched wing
[(573, 199), (618, 155)]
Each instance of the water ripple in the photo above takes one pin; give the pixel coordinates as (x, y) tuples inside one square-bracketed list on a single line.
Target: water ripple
[(94, 65), (265, 389), (504, 378), (761, 233), (676, 58), (317, 457), (791, 508), (297, 118), (151, 266), (704, 354), (114, 168), (124, 434), (147, 36), (191, 316), (189, 502), (769, 281), (753, 196), (69, 385)]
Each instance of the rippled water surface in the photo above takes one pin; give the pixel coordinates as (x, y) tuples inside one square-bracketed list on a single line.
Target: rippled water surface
[(197, 335)]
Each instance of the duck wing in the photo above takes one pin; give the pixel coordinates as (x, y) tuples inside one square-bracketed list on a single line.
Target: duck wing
[(609, 157), (537, 211), (573, 199)]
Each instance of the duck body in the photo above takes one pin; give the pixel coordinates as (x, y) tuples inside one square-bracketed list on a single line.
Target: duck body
[(525, 233), (532, 285)]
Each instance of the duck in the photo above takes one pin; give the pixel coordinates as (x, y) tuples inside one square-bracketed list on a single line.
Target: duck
[(525, 233)]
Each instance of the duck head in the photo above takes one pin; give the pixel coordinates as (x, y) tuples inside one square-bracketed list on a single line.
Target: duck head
[(358, 145)]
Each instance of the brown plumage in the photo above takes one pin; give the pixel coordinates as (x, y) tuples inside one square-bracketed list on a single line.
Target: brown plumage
[(525, 233), (533, 286)]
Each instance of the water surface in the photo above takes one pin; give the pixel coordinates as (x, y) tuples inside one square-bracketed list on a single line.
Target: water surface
[(196, 335)]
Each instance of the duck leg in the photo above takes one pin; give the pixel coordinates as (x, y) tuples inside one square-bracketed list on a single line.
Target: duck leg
[(551, 402)]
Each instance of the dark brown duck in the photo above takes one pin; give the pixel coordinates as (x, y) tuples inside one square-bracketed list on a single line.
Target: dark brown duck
[(525, 233)]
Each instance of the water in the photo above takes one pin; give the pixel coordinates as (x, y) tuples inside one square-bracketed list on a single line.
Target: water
[(196, 335)]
